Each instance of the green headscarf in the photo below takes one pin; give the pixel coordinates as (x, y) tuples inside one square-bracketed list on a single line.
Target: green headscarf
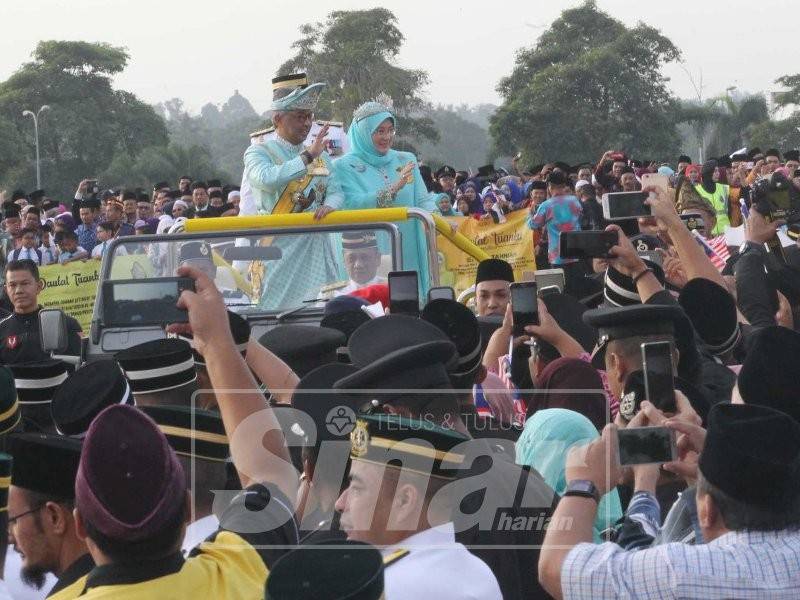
[(360, 136), (544, 443)]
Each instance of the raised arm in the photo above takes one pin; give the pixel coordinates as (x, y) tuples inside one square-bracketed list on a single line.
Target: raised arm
[(258, 447)]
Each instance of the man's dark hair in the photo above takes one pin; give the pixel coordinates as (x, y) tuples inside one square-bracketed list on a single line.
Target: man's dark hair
[(198, 185), (158, 546), (28, 230), (34, 211), (129, 195), (739, 516), (25, 264), (106, 226)]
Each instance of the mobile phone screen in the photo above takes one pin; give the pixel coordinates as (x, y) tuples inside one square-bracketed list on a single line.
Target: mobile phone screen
[(658, 380), (143, 302), (587, 244), (645, 445), (437, 293), (403, 293), (627, 205), (524, 304)]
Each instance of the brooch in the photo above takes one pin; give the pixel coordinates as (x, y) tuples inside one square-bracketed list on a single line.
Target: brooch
[(360, 168)]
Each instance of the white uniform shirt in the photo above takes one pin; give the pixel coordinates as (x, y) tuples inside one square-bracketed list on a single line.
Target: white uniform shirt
[(198, 531), (437, 567)]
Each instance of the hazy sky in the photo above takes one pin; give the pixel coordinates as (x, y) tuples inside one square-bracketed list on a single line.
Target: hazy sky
[(202, 50)]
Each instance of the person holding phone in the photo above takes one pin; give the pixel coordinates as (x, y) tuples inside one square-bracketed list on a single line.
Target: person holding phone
[(748, 508)]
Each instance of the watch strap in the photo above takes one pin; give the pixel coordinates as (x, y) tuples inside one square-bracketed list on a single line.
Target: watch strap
[(582, 488)]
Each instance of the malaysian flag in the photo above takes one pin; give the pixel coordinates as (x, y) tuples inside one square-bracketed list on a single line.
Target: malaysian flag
[(716, 249)]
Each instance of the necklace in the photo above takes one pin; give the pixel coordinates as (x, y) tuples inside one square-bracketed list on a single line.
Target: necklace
[(297, 148)]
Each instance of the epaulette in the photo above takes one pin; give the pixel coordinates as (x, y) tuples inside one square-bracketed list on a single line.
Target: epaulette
[(392, 558), (333, 286), (331, 123), (262, 132)]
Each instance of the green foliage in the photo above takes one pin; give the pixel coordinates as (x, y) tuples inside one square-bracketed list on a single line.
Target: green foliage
[(724, 123), (462, 143), (88, 124), (790, 97), (781, 134), (157, 163), (355, 52), (588, 85), (223, 133)]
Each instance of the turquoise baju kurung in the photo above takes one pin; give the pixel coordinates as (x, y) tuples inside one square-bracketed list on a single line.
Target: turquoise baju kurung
[(363, 173), (309, 261)]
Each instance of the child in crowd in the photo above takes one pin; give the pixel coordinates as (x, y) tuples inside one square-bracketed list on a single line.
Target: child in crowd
[(105, 233), (27, 249), (48, 247), (69, 250)]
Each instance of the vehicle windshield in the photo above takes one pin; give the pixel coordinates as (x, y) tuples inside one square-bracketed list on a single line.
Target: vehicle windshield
[(260, 273)]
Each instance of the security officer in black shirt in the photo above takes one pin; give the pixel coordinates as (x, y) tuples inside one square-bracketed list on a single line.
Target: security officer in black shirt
[(19, 333)]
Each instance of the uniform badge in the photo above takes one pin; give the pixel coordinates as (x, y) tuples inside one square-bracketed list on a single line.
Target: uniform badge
[(203, 249), (359, 439), (11, 342), (641, 246)]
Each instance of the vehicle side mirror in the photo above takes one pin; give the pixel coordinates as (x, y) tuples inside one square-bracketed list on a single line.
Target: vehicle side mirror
[(53, 330)]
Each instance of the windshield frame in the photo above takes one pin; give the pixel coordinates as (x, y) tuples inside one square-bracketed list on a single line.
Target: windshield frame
[(105, 270)]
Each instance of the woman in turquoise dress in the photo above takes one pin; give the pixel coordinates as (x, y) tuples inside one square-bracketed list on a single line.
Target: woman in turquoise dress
[(373, 175)]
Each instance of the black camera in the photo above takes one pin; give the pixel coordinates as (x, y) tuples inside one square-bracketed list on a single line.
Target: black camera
[(773, 197)]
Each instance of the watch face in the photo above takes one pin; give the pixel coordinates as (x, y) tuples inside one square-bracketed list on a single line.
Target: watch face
[(581, 486)]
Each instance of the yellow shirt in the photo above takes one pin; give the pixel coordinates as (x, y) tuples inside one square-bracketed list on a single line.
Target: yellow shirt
[(226, 566)]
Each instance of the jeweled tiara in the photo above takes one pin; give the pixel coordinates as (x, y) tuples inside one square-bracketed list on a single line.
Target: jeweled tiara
[(382, 103)]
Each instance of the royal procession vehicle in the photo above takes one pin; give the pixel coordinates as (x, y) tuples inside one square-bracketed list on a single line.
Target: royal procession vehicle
[(137, 287)]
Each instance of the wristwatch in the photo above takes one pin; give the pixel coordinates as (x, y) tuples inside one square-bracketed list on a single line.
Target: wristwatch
[(583, 488)]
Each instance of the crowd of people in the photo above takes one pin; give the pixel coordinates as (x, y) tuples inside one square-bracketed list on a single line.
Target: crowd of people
[(451, 453)]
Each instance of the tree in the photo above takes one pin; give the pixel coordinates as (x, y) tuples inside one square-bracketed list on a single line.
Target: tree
[(462, 143), (158, 163), (89, 122), (355, 52), (588, 85), (724, 123)]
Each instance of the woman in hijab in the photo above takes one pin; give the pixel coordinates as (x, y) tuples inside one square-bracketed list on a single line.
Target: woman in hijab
[(555, 385), (543, 445), (373, 175), (471, 191)]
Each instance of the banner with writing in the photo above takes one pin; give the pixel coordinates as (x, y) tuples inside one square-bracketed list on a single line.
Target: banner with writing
[(72, 288), (512, 241)]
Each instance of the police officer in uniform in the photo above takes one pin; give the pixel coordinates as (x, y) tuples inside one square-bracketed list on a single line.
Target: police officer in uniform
[(19, 333), (421, 555)]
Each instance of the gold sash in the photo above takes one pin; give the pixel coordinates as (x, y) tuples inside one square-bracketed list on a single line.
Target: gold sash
[(286, 204), (287, 200)]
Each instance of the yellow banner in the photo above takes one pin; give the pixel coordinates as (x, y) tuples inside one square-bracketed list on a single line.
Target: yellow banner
[(512, 241), (72, 288)]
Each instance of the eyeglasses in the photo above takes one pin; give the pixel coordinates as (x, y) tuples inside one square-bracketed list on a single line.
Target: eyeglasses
[(13, 520), (386, 132)]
